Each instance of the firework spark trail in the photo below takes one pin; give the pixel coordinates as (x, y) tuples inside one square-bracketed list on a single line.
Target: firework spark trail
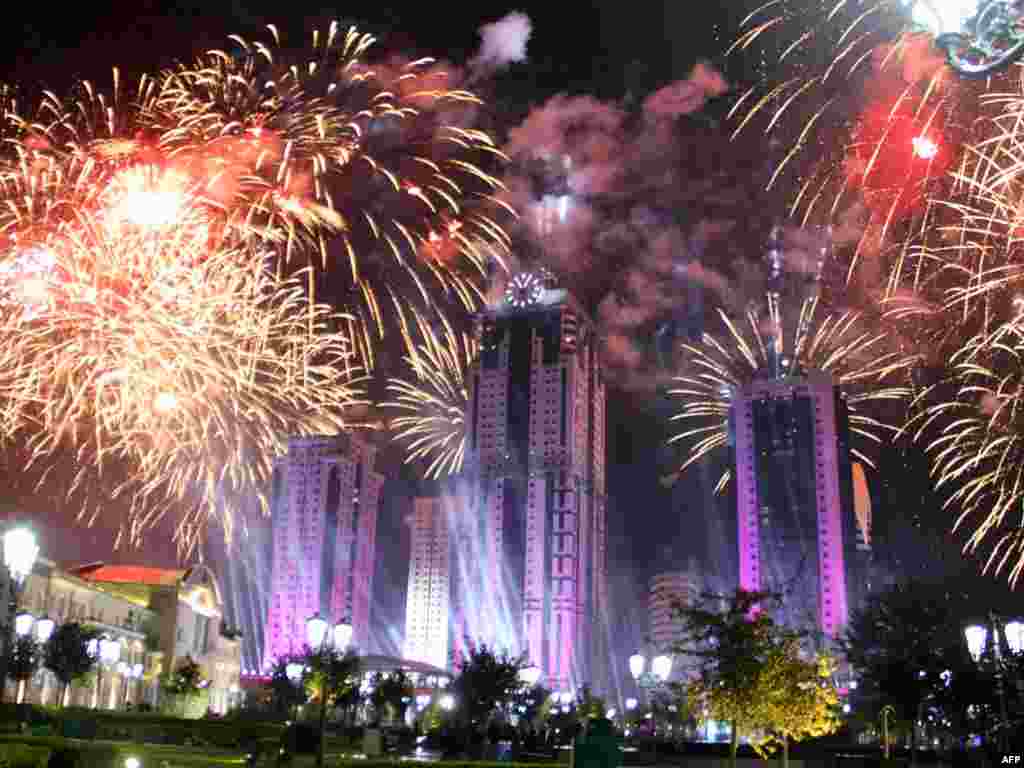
[(191, 370), (159, 250), (961, 289), (373, 157), (434, 399), (864, 112), (839, 344)]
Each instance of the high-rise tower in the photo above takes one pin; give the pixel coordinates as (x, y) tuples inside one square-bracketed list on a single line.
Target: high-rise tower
[(324, 522), (530, 536), (794, 481), (426, 602)]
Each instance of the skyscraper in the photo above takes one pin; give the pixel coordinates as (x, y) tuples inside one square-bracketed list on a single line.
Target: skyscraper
[(324, 522), (530, 534), (426, 601), (668, 590), (797, 527)]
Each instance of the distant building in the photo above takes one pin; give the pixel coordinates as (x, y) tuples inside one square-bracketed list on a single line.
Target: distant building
[(324, 508), (530, 531), (667, 591), (427, 598)]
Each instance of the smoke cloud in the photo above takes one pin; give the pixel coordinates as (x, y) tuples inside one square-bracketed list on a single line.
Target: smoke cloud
[(503, 42), (644, 214)]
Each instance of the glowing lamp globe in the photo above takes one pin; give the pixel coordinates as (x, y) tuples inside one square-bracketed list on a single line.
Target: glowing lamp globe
[(293, 672), (44, 628), (93, 648), (342, 635), (661, 667), (637, 662), (610, 713), (20, 553), (566, 697), (110, 651), (23, 623), (447, 702), (976, 636), (529, 675), (316, 630), (1014, 631), (631, 703)]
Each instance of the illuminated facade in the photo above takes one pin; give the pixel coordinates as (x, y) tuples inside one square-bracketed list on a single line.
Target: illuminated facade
[(426, 602), (797, 527), (324, 524), (530, 538), (668, 590)]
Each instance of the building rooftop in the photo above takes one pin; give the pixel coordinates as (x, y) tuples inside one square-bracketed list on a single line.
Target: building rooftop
[(130, 574)]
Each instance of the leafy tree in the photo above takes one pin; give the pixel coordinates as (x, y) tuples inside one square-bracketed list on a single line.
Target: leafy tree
[(66, 654), (285, 694), (904, 644), (799, 699), (485, 681), (731, 645), (23, 660), (185, 680), (332, 674), (392, 691)]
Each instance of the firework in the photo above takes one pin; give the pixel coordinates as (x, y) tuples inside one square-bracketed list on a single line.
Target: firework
[(434, 399), (155, 352), (863, 111), (376, 159), (961, 290), (775, 346)]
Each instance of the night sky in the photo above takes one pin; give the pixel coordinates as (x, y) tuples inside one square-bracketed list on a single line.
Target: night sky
[(609, 52)]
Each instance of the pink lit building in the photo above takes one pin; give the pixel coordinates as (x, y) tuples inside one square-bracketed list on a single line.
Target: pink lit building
[(324, 522), (529, 539), (426, 602), (796, 521)]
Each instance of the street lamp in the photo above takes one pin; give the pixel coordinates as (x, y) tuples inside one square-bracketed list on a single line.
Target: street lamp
[(320, 635), (20, 551), (447, 702), (529, 676), (977, 36), (107, 652), (976, 636), (44, 628)]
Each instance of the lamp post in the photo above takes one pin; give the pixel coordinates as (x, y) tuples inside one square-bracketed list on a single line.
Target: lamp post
[(977, 636), (20, 551), (321, 636), (978, 36), (650, 679), (107, 652)]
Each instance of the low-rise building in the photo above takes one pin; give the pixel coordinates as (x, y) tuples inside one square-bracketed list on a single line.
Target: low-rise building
[(187, 611), (156, 617)]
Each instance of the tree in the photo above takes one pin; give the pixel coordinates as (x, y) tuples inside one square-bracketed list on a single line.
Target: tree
[(799, 700), (66, 655), (485, 680), (23, 661), (332, 674), (731, 646), (392, 691), (286, 694), (185, 680), (902, 643)]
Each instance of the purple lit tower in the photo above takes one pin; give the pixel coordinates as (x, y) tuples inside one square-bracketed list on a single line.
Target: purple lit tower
[(797, 528), (529, 545), (324, 521)]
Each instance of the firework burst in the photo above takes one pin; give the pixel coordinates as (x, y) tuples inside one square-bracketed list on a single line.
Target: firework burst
[(838, 344), (376, 159), (155, 352), (434, 399)]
